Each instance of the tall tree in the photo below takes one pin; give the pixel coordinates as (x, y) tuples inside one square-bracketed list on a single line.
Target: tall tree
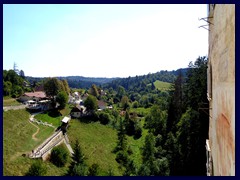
[(52, 87), (21, 74), (66, 86), (94, 91), (155, 121), (91, 103), (125, 102), (78, 166), (189, 123), (62, 99), (176, 106)]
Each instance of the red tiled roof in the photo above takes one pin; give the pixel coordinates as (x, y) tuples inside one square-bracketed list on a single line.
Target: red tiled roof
[(101, 103), (39, 94)]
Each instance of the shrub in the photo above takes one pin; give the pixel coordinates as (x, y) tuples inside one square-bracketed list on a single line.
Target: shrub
[(104, 118), (93, 170), (37, 169), (122, 157), (59, 156)]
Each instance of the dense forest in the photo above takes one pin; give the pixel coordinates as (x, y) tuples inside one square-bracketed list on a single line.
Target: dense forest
[(86, 82)]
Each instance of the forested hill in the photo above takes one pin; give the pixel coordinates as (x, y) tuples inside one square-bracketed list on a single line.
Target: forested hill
[(76, 81), (134, 83), (127, 83), (85, 82)]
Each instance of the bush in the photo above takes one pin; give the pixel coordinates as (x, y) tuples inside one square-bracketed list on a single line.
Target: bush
[(59, 156), (135, 104), (79, 170), (122, 157), (37, 169), (93, 170), (104, 118)]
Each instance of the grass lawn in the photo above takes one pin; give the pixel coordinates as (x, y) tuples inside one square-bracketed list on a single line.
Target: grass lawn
[(53, 117), (97, 142), (8, 101), (163, 86), (17, 140), (141, 111)]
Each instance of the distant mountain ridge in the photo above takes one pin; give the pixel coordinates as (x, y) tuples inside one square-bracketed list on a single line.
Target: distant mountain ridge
[(86, 82)]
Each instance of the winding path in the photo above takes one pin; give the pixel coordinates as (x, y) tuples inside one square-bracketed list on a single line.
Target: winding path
[(34, 135)]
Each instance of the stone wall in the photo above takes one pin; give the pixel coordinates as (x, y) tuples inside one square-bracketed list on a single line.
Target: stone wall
[(222, 100)]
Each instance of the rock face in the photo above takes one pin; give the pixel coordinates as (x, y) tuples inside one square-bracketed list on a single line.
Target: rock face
[(221, 88)]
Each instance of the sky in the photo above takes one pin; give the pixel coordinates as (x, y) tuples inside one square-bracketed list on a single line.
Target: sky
[(102, 40)]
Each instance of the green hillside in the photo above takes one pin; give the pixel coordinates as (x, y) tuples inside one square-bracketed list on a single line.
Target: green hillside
[(17, 140), (163, 86), (97, 142)]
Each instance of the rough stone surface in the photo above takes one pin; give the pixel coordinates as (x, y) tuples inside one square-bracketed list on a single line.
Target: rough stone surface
[(222, 114)]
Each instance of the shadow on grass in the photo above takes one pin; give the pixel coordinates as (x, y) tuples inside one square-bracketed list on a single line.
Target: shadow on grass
[(88, 119), (54, 113)]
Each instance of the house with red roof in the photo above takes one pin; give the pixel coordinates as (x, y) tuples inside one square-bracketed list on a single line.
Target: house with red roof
[(37, 96)]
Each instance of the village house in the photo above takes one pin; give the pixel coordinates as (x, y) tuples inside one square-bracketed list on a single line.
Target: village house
[(35, 96), (77, 111), (101, 105)]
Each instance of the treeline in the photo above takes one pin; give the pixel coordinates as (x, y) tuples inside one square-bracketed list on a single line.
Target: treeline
[(75, 81), (187, 124), (129, 83), (139, 83)]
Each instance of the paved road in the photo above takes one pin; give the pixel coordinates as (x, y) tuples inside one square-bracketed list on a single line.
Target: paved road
[(6, 108)]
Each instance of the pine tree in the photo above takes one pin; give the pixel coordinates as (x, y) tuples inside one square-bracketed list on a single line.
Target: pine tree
[(78, 166)]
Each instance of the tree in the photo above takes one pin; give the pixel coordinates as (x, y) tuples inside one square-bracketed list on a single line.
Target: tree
[(188, 123), (66, 86), (120, 92), (122, 139), (79, 170), (13, 77), (21, 74), (62, 99), (151, 165), (91, 103), (176, 106), (52, 87), (37, 169), (125, 102), (78, 166), (7, 88), (171, 146), (129, 124), (59, 156), (93, 170), (105, 118), (16, 91), (149, 149), (155, 121), (94, 91), (131, 169), (135, 104)]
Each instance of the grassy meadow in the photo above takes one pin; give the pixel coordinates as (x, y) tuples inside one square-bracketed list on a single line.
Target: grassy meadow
[(8, 101), (162, 86), (17, 141)]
